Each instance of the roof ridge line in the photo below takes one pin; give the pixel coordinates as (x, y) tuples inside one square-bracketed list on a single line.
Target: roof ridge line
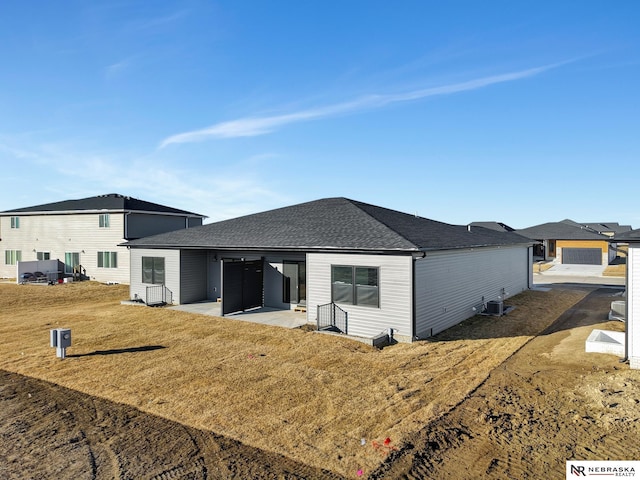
[(353, 202)]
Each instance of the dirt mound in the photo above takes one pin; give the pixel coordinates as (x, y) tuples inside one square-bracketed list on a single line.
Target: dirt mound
[(48, 431), (548, 403)]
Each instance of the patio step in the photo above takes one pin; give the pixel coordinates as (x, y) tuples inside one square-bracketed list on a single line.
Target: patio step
[(300, 308)]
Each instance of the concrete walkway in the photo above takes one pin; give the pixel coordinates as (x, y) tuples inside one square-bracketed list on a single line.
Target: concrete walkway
[(587, 274), (264, 315)]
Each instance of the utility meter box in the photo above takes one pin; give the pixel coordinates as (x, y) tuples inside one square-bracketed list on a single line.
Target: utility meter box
[(61, 340)]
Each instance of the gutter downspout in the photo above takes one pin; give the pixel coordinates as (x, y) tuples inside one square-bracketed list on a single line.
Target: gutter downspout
[(414, 330), (626, 313), (126, 224), (413, 300)]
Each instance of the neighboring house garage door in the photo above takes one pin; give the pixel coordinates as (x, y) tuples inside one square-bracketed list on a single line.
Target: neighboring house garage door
[(582, 256)]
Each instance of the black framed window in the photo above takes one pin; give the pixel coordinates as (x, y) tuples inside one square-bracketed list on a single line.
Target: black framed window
[(153, 270), (355, 285)]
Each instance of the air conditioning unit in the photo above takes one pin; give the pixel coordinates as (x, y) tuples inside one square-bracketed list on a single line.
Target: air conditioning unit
[(495, 307)]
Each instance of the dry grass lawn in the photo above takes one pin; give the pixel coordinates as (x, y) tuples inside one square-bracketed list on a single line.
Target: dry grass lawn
[(539, 267), (308, 396), (615, 270)]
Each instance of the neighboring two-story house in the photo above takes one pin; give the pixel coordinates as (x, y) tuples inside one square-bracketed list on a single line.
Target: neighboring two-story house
[(84, 235)]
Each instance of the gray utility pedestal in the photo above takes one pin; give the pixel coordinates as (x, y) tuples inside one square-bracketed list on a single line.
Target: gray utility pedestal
[(61, 340)]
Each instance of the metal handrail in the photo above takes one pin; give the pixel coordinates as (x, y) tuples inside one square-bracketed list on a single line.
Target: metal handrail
[(332, 317), (158, 295)]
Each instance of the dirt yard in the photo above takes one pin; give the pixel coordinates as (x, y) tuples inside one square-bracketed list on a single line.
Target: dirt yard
[(155, 393)]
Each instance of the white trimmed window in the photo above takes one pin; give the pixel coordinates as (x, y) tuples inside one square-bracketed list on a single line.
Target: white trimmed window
[(12, 257), (103, 221), (43, 255), (71, 260), (355, 285), (15, 222), (107, 259)]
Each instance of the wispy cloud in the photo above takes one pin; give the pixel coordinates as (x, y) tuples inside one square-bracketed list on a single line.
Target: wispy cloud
[(230, 194), (115, 70), (157, 22), (254, 126)]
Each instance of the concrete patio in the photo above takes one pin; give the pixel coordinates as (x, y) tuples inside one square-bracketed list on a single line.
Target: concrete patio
[(264, 315)]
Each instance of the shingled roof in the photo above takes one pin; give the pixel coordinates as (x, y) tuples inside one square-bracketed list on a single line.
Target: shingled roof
[(499, 226), (331, 224), (560, 231), (631, 236), (113, 202)]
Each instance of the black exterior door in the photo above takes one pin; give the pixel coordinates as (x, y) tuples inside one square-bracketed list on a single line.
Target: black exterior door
[(252, 284), (242, 285)]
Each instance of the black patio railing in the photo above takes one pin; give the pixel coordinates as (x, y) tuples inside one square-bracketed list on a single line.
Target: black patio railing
[(158, 295), (332, 317)]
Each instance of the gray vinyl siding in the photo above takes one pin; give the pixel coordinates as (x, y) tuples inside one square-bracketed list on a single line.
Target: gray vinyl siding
[(273, 279), (143, 224), (273, 268), (395, 287), (193, 278), (214, 276), (58, 234), (194, 222), (449, 284), (171, 273)]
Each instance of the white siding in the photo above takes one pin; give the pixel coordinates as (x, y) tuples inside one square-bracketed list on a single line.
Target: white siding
[(171, 275), (58, 234), (395, 286), (633, 305), (449, 284)]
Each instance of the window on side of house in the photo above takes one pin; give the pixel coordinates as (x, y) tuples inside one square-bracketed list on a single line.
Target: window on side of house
[(103, 221), (43, 255), (71, 260), (355, 285), (153, 270), (12, 257), (15, 222), (107, 259)]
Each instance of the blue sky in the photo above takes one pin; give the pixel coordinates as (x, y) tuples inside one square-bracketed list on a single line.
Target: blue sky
[(520, 112)]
